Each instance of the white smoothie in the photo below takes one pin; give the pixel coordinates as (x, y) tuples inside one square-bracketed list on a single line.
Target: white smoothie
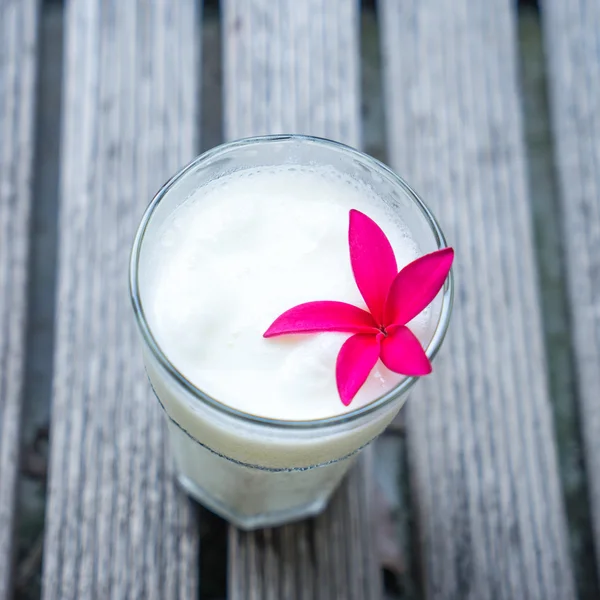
[(222, 266), (240, 252)]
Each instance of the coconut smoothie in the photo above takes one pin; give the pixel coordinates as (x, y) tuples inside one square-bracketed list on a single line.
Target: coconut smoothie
[(230, 257)]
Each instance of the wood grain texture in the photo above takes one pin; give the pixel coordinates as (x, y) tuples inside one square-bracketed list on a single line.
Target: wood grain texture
[(293, 67), (18, 48), (482, 452), (572, 36), (116, 525), (329, 557)]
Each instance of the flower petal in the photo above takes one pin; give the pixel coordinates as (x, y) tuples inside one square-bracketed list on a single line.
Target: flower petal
[(417, 284), (373, 261), (355, 361), (313, 317), (402, 353)]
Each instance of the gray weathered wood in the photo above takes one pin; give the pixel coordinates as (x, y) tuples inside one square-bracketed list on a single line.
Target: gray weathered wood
[(116, 525), (18, 47), (482, 452), (293, 67), (332, 556), (572, 41)]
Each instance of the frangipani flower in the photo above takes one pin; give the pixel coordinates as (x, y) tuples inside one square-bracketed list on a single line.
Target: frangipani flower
[(393, 299)]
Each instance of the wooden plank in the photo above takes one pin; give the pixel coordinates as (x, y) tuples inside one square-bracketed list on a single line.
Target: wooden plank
[(293, 67), (18, 54), (117, 526), (480, 431), (572, 35)]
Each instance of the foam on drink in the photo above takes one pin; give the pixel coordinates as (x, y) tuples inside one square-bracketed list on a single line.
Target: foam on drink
[(240, 251)]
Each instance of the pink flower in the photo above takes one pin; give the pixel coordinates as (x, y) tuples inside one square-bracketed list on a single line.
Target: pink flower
[(393, 298)]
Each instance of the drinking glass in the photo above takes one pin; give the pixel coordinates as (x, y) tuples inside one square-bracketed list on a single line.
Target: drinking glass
[(256, 471)]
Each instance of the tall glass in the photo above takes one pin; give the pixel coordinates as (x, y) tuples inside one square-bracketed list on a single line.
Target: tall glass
[(255, 471)]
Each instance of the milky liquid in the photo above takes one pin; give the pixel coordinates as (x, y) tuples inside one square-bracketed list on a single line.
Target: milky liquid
[(240, 252), (229, 260)]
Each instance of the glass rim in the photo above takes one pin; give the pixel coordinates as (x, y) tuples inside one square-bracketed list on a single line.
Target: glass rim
[(149, 339)]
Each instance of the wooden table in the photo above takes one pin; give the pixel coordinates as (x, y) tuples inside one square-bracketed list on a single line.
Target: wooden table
[(485, 485)]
